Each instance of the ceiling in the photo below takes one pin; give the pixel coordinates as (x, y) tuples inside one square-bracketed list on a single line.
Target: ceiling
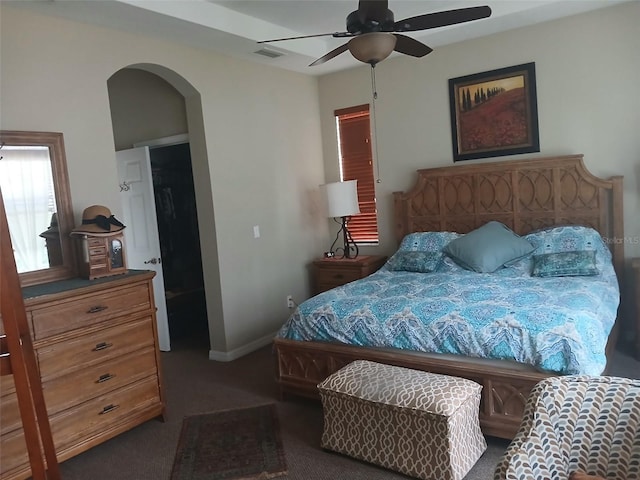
[(233, 27)]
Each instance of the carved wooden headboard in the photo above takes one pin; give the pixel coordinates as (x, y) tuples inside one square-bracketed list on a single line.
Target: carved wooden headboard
[(523, 194)]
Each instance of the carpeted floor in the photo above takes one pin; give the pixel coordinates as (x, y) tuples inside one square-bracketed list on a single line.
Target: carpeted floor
[(194, 384)]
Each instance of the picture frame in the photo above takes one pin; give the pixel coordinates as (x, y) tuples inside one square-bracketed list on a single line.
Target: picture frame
[(494, 113)]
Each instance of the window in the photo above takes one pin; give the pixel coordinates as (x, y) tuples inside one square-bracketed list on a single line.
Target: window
[(356, 163), (26, 180)]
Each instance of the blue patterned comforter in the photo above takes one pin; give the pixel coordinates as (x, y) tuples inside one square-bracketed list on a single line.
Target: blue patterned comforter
[(557, 324)]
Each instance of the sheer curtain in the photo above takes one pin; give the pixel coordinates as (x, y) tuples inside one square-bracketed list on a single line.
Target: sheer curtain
[(26, 181)]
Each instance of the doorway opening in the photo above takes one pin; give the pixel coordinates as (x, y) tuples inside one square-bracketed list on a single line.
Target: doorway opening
[(178, 230), (155, 107)]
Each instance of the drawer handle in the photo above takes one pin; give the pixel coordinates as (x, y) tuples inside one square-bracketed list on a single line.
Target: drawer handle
[(101, 346), (109, 408), (104, 378), (97, 308), (338, 275)]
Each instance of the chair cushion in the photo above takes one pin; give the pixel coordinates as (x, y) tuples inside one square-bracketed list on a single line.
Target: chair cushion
[(584, 476), (577, 423)]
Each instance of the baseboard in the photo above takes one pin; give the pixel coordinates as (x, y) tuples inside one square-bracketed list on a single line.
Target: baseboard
[(243, 350)]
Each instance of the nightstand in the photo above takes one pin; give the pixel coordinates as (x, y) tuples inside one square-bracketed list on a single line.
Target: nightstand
[(635, 270), (329, 273)]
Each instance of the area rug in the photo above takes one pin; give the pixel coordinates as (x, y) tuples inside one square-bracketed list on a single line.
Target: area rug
[(238, 444)]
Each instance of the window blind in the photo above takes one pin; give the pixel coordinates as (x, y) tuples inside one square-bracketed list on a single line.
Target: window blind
[(356, 163)]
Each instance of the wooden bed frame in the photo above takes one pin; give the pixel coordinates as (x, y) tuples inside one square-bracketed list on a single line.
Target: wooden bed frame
[(525, 195)]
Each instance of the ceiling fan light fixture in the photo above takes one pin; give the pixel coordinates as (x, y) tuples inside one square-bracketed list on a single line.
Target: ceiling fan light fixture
[(372, 47)]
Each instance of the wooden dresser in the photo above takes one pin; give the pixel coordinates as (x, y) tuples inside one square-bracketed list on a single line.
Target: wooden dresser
[(97, 351)]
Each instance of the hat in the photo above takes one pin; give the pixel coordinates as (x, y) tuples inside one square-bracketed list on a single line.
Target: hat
[(52, 231), (98, 221)]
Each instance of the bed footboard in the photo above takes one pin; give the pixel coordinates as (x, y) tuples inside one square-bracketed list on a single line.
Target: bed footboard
[(302, 365)]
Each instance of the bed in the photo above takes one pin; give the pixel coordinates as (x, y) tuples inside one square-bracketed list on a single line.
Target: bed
[(527, 196)]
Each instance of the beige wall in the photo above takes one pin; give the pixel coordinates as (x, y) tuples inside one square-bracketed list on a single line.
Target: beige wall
[(144, 107), (263, 132), (260, 134), (588, 77)]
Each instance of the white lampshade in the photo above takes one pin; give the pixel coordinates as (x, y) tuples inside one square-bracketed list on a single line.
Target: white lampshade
[(372, 47), (341, 198)]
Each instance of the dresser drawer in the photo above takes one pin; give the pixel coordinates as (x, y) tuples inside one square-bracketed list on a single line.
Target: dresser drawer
[(13, 453), (9, 412), (97, 246), (99, 414), (63, 357), (89, 309), (69, 390)]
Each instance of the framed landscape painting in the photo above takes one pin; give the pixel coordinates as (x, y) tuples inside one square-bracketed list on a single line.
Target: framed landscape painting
[(494, 113)]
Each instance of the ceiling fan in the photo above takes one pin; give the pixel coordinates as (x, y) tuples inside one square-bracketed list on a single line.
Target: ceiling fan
[(374, 31)]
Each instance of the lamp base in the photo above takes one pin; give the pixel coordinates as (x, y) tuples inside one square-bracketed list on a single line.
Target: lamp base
[(350, 247)]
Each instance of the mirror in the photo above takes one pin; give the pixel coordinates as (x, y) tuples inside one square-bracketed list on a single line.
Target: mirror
[(35, 190)]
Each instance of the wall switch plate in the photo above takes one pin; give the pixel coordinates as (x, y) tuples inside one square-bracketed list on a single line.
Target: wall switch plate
[(256, 231), (290, 303)]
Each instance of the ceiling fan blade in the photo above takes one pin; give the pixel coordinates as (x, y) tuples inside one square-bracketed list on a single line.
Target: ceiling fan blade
[(411, 46), (372, 10), (335, 34), (333, 53), (442, 19)]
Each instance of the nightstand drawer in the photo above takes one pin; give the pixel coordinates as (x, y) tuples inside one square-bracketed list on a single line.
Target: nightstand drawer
[(334, 272), (337, 276)]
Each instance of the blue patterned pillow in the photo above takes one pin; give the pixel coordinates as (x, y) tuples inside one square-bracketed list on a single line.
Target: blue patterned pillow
[(571, 238), (568, 238), (565, 264), (487, 248), (426, 241), (423, 262)]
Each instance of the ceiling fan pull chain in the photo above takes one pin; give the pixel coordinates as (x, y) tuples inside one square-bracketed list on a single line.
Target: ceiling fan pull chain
[(374, 94), (374, 89)]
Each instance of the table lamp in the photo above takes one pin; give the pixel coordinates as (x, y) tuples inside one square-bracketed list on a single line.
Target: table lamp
[(342, 202)]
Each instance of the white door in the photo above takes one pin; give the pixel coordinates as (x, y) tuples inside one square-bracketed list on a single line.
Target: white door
[(141, 235)]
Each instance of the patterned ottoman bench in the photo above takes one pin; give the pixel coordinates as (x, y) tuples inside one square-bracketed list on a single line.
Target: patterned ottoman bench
[(421, 424)]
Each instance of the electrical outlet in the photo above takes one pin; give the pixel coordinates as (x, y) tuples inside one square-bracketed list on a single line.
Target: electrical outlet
[(290, 303)]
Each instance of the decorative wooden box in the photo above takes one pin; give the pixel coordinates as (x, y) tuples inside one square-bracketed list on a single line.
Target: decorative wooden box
[(101, 256)]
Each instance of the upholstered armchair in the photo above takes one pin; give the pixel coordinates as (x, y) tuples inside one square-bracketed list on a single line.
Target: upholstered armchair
[(577, 423)]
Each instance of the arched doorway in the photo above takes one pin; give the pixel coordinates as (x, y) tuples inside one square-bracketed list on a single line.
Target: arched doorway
[(150, 102)]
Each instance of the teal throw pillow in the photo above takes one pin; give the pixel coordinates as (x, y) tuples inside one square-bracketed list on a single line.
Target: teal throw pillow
[(414, 261), (565, 264), (488, 248)]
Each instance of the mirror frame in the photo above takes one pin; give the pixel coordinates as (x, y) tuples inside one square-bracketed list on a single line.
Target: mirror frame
[(55, 142)]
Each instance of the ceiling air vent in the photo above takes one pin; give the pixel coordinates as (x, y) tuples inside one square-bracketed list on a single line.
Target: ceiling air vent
[(265, 52)]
